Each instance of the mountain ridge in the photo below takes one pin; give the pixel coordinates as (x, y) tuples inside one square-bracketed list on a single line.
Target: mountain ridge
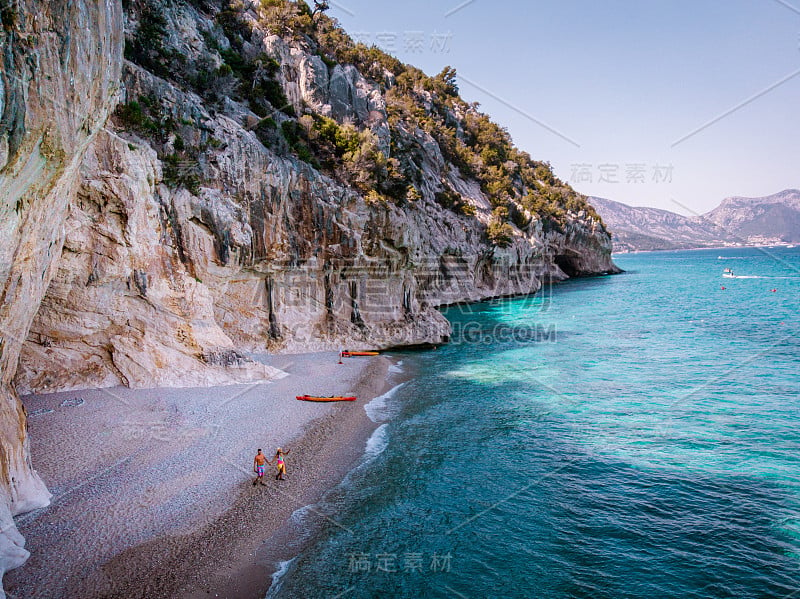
[(737, 221)]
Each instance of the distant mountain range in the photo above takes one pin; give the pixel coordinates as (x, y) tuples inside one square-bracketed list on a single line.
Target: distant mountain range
[(737, 221)]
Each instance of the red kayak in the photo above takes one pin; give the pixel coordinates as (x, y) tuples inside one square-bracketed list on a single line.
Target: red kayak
[(351, 354), (331, 398)]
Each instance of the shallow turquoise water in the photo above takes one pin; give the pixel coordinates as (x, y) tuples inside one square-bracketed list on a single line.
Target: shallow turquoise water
[(628, 436)]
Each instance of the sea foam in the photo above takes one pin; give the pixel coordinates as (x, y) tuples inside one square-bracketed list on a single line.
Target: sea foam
[(396, 368), (379, 410), (277, 577), (377, 442)]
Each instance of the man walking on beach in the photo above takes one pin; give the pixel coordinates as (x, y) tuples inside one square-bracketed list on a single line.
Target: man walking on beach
[(259, 464)]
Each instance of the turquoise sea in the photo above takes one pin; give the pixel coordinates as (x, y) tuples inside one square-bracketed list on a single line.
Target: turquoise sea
[(628, 436)]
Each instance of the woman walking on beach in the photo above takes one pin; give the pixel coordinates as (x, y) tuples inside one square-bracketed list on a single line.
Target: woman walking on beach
[(259, 463), (279, 453)]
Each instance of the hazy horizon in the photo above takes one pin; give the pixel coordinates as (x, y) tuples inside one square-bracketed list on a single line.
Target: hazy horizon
[(675, 106)]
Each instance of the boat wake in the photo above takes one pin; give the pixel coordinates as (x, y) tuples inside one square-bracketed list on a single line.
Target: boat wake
[(757, 277)]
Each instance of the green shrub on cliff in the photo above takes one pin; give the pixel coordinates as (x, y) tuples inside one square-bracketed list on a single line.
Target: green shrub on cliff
[(333, 138), (8, 15), (297, 139), (266, 131), (179, 170), (132, 116), (236, 28), (287, 19), (452, 200), (500, 234)]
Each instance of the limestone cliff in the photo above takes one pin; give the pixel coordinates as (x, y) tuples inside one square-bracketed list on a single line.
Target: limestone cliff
[(60, 74), (201, 231), (264, 185)]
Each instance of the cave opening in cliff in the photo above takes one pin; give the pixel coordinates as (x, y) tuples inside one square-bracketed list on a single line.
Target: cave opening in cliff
[(568, 265)]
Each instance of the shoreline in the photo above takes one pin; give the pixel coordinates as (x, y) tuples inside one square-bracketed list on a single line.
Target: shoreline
[(141, 519), (336, 446)]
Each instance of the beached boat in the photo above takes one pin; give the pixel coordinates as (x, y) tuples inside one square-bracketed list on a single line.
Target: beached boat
[(350, 354), (331, 398)]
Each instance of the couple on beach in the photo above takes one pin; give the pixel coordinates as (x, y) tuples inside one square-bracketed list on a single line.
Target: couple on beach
[(260, 462)]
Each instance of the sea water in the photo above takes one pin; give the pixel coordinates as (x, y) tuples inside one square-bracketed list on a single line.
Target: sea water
[(627, 436)]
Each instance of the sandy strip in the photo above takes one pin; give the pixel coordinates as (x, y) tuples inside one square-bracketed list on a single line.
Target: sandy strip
[(153, 492)]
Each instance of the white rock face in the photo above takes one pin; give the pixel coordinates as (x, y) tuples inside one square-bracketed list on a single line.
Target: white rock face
[(122, 308), (341, 92), (50, 114)]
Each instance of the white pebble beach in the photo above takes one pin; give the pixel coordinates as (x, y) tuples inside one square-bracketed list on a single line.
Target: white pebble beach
[(152, 489)]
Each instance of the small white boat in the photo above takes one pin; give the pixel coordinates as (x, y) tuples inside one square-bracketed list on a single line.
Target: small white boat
[(727, 273)]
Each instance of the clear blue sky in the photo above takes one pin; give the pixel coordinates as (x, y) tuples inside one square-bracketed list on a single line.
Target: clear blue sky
[(603, 90)]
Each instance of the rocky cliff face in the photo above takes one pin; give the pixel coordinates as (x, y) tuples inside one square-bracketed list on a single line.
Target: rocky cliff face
[(122, 308), (61, 70), (160, 247), (157, 284), (263, 252)]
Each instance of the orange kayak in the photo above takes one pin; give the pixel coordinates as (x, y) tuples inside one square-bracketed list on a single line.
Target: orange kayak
[(350, 354), (332, 398)]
